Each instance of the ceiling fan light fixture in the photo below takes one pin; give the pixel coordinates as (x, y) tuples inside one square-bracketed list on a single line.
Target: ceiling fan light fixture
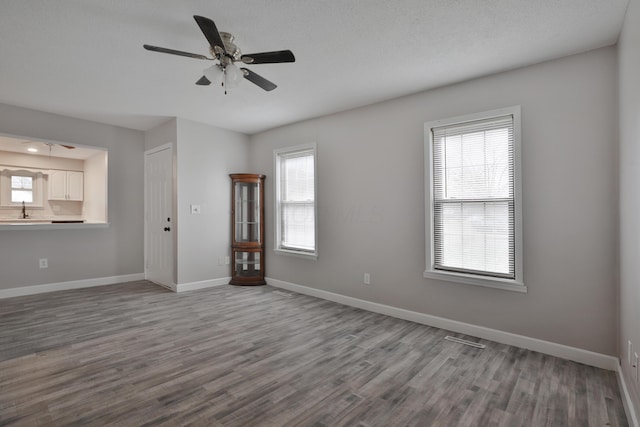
[(232, 75), (214, 74)]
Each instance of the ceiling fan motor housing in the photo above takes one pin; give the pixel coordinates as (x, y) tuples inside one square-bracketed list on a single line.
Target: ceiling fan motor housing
[(230, 46)]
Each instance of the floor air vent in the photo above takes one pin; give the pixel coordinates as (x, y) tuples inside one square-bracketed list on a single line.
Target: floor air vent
[(465, 342)]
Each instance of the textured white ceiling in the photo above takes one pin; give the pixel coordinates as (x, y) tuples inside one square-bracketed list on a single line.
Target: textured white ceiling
[(84, 58)]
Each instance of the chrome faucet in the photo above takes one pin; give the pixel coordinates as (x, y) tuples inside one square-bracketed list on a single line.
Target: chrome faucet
[(24, 211)]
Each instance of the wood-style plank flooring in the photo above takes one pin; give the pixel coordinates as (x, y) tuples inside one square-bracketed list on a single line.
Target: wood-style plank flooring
[(135, 355)]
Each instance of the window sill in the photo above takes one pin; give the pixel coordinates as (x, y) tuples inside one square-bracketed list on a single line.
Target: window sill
[(49, 226), (298, 254), (468, 279)]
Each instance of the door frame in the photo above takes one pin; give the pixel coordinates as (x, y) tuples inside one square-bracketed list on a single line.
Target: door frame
[(174, 223)]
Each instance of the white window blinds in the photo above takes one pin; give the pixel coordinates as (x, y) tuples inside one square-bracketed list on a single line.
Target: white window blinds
[(296, 201), (21, 189), (473, 198)]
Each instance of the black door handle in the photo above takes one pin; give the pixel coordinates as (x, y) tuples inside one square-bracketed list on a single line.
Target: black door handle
[(167, 229)]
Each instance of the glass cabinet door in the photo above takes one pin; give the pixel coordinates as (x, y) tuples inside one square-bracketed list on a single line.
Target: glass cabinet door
[(247, 212), (247, 264)]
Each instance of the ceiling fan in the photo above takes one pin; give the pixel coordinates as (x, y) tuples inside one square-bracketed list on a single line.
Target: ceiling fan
[(224, 51), (50, 144)]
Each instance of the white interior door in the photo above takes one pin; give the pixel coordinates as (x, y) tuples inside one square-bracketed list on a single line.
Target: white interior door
[(159, 221)]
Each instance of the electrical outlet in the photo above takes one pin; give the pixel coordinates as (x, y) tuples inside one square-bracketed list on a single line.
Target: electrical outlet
[(367, 279), (44, 263), (227, 260)]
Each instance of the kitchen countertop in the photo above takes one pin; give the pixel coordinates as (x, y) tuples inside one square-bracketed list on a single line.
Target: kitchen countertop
[(23, 221), (36, 220), (33, 224)]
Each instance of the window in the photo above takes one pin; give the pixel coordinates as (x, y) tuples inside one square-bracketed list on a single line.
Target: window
[(474, 230), (21, 189), (20, 185), (296, 227)]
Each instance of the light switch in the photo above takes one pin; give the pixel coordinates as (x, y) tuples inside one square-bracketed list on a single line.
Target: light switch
[(195, 209)]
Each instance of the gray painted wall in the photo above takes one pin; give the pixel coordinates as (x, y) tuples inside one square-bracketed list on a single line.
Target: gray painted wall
[(166, 133), (371, 202), (629, 70), (79, 254), (205, 157)]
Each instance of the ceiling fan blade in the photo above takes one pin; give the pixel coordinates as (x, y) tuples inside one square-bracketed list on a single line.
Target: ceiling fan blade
[(69, 147), (174, 52), (258, 80), (210, 31), (203, 81), (269, 57)]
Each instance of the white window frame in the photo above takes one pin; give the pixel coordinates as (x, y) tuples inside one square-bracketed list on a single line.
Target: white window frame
[(278, 154), (5, 187), (516, 284)]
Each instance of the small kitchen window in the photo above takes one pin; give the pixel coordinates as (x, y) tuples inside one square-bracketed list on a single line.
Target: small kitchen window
[(21, 189), (18, 186)]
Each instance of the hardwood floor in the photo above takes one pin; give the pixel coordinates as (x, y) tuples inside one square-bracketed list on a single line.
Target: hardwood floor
[(135, 354)]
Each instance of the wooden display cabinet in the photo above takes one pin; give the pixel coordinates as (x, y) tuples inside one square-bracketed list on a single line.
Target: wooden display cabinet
[(247, 229)]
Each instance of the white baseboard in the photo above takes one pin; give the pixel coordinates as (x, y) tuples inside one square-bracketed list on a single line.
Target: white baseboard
[(102, 281), (559, 350), (63, 286), (192, 286), (171, 287), (629, 408)]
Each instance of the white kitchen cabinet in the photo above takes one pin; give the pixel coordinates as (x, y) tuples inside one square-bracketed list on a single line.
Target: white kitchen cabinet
[(66, 185)]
